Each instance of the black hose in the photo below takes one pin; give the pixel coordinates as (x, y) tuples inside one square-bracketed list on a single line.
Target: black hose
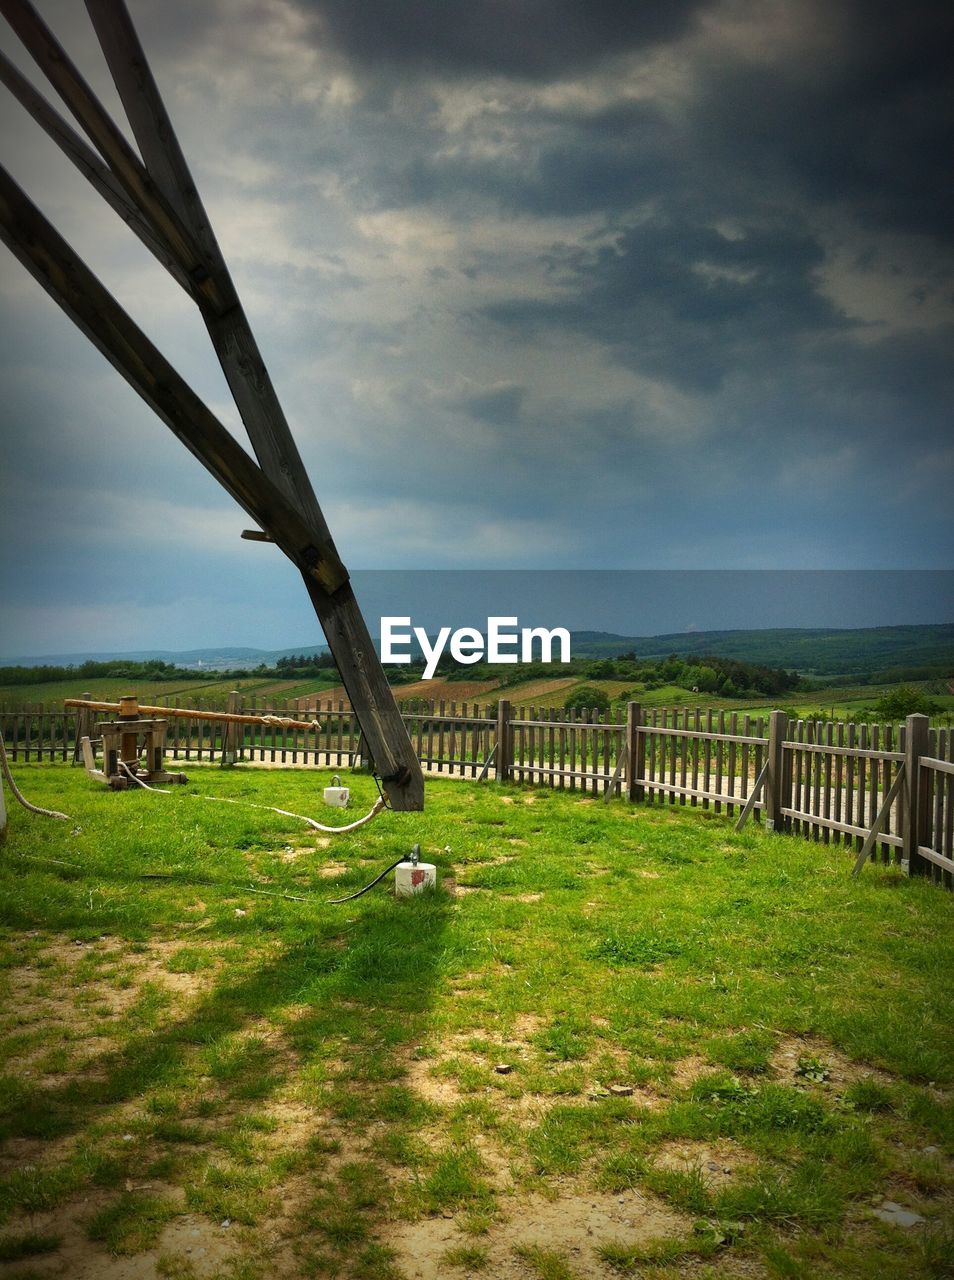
[(414, 858), (377, 880)]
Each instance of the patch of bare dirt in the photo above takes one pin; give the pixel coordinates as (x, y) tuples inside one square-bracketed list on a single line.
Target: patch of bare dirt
[(332, 869), (814, 1052), (22, 1153), (688, 1070), (291, 853), (190, 1238), (718, 1162), (573, 1223), (432, 1088), (525, 1025)]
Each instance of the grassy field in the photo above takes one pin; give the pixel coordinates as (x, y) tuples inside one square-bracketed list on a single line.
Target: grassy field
[(615, 1042)]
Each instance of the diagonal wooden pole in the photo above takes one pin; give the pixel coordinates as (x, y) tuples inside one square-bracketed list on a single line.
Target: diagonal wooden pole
[(92, 168), (258, 404), (159, 201), (64, 276), (106, 137)]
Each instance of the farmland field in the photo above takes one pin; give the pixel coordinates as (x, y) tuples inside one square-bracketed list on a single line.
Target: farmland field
[(211, 692), (615, 1042)]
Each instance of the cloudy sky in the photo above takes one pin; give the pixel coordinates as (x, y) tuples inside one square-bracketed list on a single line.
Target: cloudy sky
[(541, 283)]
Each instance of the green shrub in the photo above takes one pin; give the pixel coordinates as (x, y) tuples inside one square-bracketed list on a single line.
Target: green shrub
[(587, 698)]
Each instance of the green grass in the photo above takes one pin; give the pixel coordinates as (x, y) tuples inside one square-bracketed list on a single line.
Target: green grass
[(187, 1026)]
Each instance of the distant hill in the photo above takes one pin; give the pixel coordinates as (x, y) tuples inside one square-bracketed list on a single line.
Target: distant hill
[(220, 659), (813, 651), (817, 651)]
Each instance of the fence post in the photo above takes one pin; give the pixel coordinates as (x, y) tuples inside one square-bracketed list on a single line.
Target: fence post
[(777, 794), (504, 761), (84, 725), (915, 809), (635, 791), (230, 736)]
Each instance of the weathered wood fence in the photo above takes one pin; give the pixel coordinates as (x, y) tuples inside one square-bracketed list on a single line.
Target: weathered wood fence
[(884, 791)]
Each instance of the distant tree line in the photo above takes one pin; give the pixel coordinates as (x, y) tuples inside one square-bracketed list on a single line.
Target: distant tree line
[(153, 670), (302, 665), (728, 677)]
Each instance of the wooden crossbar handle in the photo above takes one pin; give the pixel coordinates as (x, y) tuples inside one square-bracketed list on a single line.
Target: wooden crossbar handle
[(184, 713)]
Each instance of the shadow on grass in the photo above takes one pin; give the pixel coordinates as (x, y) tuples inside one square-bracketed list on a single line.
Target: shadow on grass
[(356, 987)]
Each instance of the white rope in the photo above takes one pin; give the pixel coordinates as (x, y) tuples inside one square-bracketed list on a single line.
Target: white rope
[(282, 721), (376, 808), (18, 794), (139, 782)]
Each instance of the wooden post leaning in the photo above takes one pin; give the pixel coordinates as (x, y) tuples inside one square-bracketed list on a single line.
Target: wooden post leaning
[(155, 194)]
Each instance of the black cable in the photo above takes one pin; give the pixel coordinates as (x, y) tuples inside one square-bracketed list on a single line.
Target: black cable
[(377, 879), (413, 859)]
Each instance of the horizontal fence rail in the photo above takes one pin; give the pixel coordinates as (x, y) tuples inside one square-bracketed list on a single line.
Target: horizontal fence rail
[(884, 791)]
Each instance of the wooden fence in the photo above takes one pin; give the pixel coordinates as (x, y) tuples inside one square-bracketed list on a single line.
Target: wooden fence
[(885, 791)]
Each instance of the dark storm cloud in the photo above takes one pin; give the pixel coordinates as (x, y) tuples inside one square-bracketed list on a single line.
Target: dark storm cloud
[(535, 39), (682, 302), (867, 120), (865, 116), (562, 164)]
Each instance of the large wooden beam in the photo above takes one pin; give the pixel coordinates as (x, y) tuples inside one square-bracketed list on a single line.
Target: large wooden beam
[(71, 284), (228, 326), (258, 404), (106, 137), (54, 264), (92, 168)]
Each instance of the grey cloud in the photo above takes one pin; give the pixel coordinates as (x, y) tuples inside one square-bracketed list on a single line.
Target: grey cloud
[(867, 122), (680, 301), (499, 406), (534, 39)]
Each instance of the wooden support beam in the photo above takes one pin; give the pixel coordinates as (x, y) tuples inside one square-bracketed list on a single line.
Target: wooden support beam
[(52, 262), (272, 442), (615, 785), (162, 202), (71, 284), (106, 137), (228, 326), (92, 168), (753, 797), (190, 713), (883, 814)]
